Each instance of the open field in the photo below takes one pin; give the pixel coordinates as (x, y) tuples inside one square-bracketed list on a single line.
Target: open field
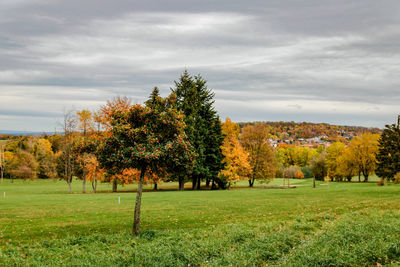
[(334, 224)]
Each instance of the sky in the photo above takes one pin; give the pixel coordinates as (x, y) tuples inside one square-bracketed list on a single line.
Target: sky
[(313, 60)]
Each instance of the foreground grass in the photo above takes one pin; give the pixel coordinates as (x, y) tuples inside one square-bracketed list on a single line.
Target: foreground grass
[(334, 224)]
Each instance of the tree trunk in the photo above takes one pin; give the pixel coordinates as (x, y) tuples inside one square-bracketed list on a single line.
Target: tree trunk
[(94, 184), (69, 186), (359, 177), (313, 182), (208, 182), (155, 186), (84, 184), (194, 181), (181, 183), (115, 185), (365, 178), (251, 182), (213, 186), (136, 219), (198, 183)]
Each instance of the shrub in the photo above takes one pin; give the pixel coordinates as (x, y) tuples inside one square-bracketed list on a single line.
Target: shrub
[(290, 171), (307, 171), (299, 175)]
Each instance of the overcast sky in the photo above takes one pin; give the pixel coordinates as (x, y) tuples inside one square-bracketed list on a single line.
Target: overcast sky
[(319, 61)]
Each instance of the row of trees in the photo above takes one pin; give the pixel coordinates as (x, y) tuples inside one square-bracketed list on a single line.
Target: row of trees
[(223, 153), (336, 162), (181, 138)]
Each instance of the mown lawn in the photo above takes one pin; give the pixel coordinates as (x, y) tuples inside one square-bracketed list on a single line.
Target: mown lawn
[(336, 224)]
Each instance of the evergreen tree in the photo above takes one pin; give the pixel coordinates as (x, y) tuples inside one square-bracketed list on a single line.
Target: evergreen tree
[(389, 152), (203, 127)]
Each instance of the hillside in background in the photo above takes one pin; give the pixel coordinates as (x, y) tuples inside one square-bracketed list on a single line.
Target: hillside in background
[(307, 132)]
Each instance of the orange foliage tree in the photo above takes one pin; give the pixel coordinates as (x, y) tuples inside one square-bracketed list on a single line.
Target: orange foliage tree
[(236, 159), (254, 139)]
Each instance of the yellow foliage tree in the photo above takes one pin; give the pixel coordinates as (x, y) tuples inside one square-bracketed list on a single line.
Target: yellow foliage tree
[(86, 122), (236, 159), (44, 156), (333, 162), (364, 148), (347, 166)]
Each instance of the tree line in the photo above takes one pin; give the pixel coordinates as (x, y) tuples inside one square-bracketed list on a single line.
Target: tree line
[(222, 153), (181, 138)]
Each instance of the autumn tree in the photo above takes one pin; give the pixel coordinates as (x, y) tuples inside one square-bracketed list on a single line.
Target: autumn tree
[(289, 155), (85, 121), (69, 125), (364, 148), (147, 139), (103, 118), (93, 171), (203, 127), (388, 156), (44, 155), (318, 166), (333, 154), (347, 164), (86, 125), (262, 159), (2, 162), (236, 159)]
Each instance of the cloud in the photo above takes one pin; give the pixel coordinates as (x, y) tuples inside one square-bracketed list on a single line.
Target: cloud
[(280, 60)]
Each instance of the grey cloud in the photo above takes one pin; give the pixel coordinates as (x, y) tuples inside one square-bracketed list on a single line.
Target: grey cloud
[(276, 54)]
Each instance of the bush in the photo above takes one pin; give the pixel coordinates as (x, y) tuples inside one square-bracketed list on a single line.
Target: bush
[(307, 171), (290, 171), (299, 175)]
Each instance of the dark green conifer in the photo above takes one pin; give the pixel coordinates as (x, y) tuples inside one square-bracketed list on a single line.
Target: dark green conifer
[(203, 127), (389, 152)]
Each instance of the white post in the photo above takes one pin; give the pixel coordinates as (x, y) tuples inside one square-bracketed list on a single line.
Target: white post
[(4, 194), (119, 200)]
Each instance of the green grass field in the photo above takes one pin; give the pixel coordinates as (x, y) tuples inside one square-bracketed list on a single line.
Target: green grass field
[(336, 224)]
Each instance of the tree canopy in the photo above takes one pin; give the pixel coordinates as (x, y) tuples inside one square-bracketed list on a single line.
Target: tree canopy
[(147, 138)]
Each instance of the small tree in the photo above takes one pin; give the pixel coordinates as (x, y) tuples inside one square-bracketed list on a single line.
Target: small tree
[(318, 166), (69, 125), (147, 139)]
